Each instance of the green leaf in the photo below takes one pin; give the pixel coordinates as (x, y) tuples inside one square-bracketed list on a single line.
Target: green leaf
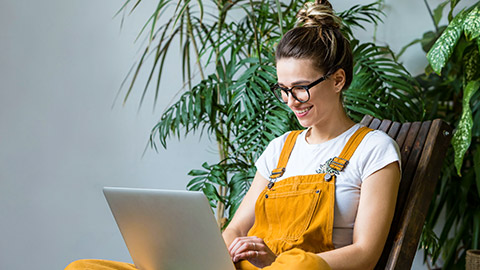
[(472, 24), (216, 180), (200, 4), (453, 4), (206, 166), (280, 15), (197, 172), (196, 183), (463, 136), (196, 187), (442, 49), (429, 38), (471, 64), (437, 13), (211, 192), (478, 43)]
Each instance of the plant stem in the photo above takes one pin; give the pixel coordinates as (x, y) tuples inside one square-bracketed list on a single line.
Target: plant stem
[(431, 15), (220, 143), (222, 190)]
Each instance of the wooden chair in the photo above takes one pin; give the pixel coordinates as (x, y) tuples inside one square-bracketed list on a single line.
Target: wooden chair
[(423, 147)]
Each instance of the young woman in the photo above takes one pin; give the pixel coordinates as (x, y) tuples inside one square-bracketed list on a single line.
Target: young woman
[(329, 201), (324, 197)]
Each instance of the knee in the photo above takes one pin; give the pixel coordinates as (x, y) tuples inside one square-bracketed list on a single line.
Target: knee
[(92, 264), (80, 264), (299, 259)]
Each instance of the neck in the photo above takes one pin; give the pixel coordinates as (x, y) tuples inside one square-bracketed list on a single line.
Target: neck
[(330, 129)]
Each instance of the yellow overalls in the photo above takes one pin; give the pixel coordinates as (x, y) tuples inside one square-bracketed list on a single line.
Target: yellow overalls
[(294, 217)]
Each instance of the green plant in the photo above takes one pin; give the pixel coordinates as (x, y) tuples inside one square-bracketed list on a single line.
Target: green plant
[(450, 90), (235, 42)]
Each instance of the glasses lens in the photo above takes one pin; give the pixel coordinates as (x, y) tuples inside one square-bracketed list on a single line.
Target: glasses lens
[(280, 94), (300, 93)]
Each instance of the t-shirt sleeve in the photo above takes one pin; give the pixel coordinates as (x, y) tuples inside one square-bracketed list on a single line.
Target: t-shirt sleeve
[(378, 151), (268, 160)]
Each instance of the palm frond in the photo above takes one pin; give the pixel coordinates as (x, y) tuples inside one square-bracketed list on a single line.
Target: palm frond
[(381, 86)]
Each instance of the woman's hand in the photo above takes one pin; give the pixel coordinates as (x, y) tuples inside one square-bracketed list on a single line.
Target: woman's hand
[(253, 249)]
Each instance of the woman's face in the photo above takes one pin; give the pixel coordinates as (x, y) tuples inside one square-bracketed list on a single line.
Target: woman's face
[(324, 100)]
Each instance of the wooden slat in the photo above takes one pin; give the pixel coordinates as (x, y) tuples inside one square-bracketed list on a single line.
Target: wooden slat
[(402, 134), (419, 197), (375, 123), (415, 151), (410, 151), (366, 120), (394, 129), (408, 143), (385, 125)]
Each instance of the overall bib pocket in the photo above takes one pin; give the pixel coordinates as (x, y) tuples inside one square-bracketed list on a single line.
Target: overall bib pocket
[(290, 213)]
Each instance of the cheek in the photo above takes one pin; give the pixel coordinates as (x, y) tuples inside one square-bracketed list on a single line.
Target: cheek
[(326, 99)]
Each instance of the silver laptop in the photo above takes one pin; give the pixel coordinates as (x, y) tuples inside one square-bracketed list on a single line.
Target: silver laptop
[(168, 230)]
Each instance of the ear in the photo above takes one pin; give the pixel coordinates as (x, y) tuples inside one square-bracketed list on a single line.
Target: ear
[(339, 79)]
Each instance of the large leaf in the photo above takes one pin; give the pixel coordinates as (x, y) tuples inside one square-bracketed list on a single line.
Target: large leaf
[(471, 64), (463, 135), (472, 24), (381, 86), (438, 12), (478, 43), (360, 15), (445, 45), (453, 4)]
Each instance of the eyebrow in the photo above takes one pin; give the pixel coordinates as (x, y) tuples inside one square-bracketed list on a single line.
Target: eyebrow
[(301, 82)]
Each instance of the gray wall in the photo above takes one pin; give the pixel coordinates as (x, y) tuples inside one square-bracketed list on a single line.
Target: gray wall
[(61, 64), (61, 141)]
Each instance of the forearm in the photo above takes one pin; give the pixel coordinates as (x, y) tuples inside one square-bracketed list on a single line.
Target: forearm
[(350, 257), (374, 216), (229, 234), (245, 216)]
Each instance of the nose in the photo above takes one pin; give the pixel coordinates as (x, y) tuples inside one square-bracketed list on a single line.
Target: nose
[(291, 101)]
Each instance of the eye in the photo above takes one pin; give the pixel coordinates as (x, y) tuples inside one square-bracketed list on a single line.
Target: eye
[(298, 88)]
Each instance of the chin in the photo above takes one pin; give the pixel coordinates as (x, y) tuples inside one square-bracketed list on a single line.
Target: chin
[(305, 124)]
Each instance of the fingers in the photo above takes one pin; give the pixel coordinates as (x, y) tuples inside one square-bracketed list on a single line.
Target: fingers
[(252, 249), (247, 248), (242, 244), (247, 255)]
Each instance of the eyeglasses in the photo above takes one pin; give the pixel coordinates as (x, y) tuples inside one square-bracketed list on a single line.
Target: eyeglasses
[(300, 92)]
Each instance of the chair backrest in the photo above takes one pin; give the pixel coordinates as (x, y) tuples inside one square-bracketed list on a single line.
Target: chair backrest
[(423, 146)]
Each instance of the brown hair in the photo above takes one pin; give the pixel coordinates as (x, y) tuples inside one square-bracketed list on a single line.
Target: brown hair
[(317, 36)]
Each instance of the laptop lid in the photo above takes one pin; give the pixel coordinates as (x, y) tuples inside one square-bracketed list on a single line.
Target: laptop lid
[(168, 230)]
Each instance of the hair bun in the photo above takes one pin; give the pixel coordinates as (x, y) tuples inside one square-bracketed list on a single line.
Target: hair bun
[(320, 14)]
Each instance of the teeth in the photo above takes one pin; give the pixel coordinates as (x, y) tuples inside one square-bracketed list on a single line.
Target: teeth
[(303, 111)]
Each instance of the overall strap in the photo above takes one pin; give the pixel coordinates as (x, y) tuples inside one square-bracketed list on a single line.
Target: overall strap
[(339, 163), (285, 154)]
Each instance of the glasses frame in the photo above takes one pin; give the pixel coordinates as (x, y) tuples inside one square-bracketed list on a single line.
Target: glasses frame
[(289, 91)]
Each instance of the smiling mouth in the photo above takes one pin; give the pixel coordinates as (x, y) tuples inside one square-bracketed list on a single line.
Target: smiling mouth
[(302, 111)]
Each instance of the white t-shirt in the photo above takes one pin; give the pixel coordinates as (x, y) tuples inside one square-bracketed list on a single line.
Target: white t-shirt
[(375, 152)]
